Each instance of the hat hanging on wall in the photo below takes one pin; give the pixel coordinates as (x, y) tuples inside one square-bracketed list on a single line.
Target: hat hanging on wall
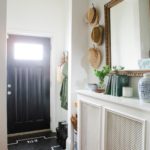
[(92, 16), (97, 34), (94, 57), (96, 21)]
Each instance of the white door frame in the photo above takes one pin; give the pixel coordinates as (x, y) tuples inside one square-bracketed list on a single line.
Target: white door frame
[(3, 77)]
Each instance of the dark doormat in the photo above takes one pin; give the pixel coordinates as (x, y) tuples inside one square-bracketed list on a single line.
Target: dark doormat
[(36, 143)]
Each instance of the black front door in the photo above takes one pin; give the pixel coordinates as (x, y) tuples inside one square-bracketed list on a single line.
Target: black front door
[(28, 83)]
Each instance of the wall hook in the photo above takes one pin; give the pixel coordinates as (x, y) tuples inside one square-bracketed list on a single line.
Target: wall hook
[(93, 4)]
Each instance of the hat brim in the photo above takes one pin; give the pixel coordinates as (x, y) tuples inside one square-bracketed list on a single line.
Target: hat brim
[(96, 20)]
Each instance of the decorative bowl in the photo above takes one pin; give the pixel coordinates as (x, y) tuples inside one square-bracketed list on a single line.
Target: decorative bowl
[(92, 86)]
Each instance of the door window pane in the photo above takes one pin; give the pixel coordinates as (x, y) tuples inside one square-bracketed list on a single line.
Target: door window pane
[(26, 51)]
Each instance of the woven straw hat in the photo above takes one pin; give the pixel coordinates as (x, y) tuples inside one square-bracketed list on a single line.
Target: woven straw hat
[(94, 57), (96, 20), (92, 16), (97, 34)]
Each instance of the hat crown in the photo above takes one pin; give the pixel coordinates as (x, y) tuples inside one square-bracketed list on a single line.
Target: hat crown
[(97, 34), (94, 57)]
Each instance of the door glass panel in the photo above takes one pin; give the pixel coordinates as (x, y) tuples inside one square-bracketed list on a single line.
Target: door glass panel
[(26, 51)]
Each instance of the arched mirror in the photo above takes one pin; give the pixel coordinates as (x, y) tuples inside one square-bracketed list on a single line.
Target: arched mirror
[(127, 35)]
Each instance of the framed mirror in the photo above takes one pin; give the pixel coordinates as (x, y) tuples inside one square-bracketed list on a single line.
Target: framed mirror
[(127, 35)]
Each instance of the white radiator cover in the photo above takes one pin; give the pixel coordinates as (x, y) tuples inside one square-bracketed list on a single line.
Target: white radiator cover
[(112, 123), (124, 132)]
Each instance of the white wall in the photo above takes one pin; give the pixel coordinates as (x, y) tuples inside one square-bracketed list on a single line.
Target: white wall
[(42, 18), (3, 75), (78, 68), (144, 8)]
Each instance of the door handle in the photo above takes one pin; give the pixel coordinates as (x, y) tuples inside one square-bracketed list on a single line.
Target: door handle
[(9, 93)]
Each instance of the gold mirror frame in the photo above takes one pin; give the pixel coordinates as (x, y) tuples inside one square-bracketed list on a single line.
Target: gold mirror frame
[(107, 7)]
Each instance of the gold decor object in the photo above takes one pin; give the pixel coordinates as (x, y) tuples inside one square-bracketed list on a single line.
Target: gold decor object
[(97, 34), (94, 57)]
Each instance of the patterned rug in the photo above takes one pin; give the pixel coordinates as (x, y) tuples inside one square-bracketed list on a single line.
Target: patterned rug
[(36, 143)]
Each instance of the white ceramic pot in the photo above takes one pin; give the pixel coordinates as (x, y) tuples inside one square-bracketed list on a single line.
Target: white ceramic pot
[(144, 88), (92, 86)]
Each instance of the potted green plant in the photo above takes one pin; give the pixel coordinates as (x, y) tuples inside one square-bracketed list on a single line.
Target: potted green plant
[(101, 75)]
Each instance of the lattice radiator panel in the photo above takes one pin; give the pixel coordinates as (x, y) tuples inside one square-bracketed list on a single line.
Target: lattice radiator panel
[(90, 129), (124, 133)]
